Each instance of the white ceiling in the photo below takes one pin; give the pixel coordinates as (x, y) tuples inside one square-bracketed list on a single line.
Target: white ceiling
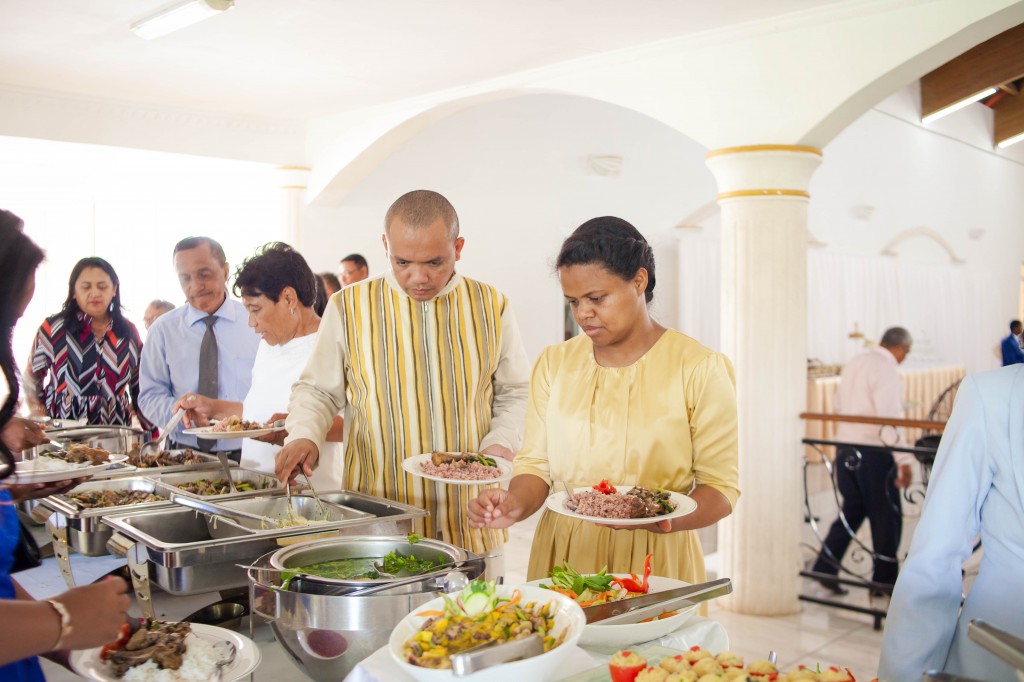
[(299, 59)]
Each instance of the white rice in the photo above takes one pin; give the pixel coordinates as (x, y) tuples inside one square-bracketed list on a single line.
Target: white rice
[(198, 665)]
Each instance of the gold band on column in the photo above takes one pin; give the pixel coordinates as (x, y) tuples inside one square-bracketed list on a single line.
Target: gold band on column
[(745, 149), (763, 193)]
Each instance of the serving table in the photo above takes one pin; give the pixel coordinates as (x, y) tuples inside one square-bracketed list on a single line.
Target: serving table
[(276, 664), (698, 631)]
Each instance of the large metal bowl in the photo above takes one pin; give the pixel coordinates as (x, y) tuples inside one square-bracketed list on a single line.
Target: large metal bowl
[(327, 634), (315, 552)]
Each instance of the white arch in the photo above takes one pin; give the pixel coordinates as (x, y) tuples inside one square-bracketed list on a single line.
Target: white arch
[(921, 233), (761, 84)]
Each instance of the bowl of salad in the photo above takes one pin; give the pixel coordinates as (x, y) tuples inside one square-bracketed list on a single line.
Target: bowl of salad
[(602, 587), (423, 642)]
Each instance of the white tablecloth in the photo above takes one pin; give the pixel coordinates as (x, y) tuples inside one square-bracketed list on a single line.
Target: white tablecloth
[(702, 632)]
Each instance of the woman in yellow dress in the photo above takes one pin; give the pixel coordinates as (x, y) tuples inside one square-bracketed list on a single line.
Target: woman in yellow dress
[(629, 401)]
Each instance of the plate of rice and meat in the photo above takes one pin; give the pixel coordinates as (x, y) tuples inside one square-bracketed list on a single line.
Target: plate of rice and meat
[(78, 461), (233, 427), (156, 651), (459, 468), (621, 505)]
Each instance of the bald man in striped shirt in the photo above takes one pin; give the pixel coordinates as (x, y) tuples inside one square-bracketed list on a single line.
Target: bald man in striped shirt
[(421, 359)]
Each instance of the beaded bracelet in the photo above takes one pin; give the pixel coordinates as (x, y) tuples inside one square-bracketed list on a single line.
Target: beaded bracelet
[(65, 622)]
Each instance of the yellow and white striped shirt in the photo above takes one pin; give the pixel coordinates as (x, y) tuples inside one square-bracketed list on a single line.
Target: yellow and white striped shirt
[(415, 376)]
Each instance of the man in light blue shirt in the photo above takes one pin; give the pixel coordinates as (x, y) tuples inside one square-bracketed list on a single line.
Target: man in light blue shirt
[(174, 348)]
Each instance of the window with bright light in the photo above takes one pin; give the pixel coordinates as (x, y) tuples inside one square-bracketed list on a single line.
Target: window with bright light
[(130, 207)]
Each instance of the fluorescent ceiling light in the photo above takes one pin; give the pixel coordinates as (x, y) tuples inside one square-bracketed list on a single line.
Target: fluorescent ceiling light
[(957, 106), (1011, 140), (179, 15)]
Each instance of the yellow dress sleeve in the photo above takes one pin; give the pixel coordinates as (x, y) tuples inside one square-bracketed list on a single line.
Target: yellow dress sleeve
[(711, 404), (533, 457)]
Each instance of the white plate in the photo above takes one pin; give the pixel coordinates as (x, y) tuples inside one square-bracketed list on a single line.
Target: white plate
[(619, 636), (205, 432), (568, 616), (413, 466), (684, 505), (87, 662), (25, 474)]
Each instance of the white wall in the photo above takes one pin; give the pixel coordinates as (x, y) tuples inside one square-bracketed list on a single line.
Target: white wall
[(129, 207), (517, 173), (947, 178)]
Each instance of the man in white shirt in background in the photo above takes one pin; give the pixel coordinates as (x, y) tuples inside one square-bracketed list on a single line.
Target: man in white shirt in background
[(866, 476)]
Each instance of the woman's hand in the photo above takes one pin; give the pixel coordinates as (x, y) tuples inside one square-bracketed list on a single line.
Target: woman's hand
[(97, 612), (276, 437), (34, 491), (198, 410), (21, 434), (494, 508)]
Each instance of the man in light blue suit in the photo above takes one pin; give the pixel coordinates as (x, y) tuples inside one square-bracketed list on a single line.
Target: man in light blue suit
[(205, 347), (1012, 353)]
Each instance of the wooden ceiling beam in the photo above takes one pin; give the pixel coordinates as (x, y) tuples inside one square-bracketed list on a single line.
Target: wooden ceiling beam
[(1009, 119), (997, 61)]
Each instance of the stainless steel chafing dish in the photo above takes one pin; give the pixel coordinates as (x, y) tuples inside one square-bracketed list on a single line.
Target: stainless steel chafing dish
[(38, 514), (205, 462), (326, 632), (174, 548), (72, 526), (261, 483)]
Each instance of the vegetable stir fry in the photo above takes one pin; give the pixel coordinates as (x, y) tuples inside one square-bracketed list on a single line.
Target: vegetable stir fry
[(478, 616)]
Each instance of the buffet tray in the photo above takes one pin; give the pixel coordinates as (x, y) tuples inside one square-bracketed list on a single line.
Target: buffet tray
[(185, 558), (168, 483), (206, 462), (86, 533)]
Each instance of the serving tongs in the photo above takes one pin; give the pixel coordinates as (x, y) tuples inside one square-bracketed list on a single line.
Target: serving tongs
[(492, 653), (636, 609), (153, 448)]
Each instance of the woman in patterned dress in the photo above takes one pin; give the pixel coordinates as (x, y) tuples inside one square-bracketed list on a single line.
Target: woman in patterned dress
[(85, 359)]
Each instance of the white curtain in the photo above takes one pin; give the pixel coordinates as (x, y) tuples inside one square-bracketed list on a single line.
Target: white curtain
[(955, 315)]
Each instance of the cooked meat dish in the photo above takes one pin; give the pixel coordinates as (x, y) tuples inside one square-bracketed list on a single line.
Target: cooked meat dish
[(637, 503), (466, 466), (95, 499), (80, 454), (162, 643), (236, 423), (164, 458)]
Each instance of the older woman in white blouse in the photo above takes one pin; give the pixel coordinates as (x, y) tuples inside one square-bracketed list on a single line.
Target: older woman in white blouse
[(280, 292)]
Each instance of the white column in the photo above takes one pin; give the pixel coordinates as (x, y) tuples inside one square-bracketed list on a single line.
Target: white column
[(293, 181), (763, 195)]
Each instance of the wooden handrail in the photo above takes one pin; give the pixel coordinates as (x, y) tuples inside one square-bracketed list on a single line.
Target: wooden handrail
[(880, 421)]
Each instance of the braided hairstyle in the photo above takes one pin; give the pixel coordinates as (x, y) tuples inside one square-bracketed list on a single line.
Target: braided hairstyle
[(612, 243), (19, 259)]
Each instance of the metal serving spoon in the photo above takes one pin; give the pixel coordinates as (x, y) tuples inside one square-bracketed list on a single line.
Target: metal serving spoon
[(226, 653)]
